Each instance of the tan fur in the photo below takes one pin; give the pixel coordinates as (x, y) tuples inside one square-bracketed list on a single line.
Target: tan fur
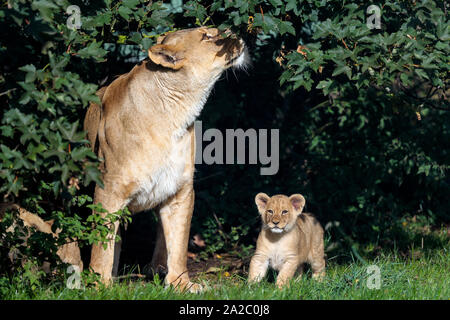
[(288, 239), (92, 119), (68, 253), (144, 132)]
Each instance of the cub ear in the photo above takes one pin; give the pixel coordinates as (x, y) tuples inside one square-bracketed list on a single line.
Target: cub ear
[(261, 200), (298, 202), (166, 56)]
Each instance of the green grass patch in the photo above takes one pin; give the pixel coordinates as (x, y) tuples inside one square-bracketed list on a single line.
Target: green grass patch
[(426, 277)]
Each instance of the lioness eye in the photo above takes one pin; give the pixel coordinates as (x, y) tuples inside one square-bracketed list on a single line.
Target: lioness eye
[(284, 212), (270, 211), (206, 36)]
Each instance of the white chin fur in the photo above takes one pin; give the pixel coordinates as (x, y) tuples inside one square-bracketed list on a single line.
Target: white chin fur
[(243, 60), (276, 230)]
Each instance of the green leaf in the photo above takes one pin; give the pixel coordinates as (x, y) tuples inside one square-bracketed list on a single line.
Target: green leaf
[(93, 50), (92, 174), (130, 3), (325, 86), (125, 12), (341, 69), (46, 9), (286, 26), (421, 73)]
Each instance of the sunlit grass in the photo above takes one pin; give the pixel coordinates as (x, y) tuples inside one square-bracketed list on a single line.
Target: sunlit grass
[(423, 278)]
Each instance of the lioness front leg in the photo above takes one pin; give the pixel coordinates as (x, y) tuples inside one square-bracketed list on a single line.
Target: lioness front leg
[(258, 267), (287, 272), (176, 216), (102, 260), (159, 258)]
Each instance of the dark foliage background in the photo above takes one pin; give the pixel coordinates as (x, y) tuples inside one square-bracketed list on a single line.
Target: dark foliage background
[(363, 115)]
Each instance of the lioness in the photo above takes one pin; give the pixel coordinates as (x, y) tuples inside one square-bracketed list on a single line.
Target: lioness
[(288, 239), (144, 132)]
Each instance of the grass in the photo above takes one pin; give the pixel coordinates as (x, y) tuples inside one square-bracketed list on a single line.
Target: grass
[(412, 278)]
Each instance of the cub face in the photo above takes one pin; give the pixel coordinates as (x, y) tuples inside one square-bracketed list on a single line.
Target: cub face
[(201, 51), (279, 213)]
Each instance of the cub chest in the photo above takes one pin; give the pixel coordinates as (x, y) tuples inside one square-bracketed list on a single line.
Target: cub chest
[(280, 251)]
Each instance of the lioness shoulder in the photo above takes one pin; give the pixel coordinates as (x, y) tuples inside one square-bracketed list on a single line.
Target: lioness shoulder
[(288, 239)]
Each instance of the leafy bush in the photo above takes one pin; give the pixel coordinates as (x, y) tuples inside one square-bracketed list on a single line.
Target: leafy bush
[(363, 113)]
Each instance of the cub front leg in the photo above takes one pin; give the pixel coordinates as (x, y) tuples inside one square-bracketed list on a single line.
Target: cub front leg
[(318, 267), (317, 258), (258, 267), (176, 216), (287, 272)]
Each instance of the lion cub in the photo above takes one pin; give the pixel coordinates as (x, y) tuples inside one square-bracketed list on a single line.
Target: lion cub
[(288, 239)]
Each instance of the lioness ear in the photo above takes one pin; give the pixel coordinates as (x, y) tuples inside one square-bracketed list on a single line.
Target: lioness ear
[(261, 200), (160, 39), (166, 56), (298, 202), (50, 222)]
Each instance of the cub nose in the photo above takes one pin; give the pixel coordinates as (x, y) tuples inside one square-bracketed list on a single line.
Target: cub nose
[(276, 222)]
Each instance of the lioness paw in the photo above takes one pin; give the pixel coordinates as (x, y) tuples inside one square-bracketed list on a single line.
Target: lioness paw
[(184, 285)]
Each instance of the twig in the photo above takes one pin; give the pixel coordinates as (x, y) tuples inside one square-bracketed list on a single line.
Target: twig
[(222, 233), (131, 275), (343, 41), (7, 91), (210, 176)]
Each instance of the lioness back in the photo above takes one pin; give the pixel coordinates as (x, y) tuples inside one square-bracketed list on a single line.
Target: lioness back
[(288, 239)]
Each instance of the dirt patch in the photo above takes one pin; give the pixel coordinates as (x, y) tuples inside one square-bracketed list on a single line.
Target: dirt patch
[(219, 263)]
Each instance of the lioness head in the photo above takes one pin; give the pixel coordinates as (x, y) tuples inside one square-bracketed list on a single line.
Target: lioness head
[(202, 51), (279, 213)]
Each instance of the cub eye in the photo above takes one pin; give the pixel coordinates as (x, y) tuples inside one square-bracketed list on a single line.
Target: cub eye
[(284, 212), (269, 211)]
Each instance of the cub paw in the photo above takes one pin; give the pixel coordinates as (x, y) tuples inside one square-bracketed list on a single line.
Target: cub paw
[(318, 276)]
